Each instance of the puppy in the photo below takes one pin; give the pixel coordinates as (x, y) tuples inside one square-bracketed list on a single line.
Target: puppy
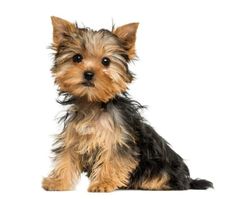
[(104, 134)]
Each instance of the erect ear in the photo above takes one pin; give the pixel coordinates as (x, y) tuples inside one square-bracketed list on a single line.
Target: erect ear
[(127, 34), (61, 28)]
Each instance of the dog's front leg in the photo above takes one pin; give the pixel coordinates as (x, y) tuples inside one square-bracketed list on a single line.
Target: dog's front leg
[(67, 164), (111, 171)]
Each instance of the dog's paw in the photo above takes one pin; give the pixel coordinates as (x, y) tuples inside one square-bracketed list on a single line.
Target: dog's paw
[(53, 184), (102, 187)]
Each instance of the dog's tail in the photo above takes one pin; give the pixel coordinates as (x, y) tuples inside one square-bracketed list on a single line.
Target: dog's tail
[(200, 184)]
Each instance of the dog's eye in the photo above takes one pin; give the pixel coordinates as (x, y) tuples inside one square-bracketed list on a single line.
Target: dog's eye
[(77, 58), (106, 61)]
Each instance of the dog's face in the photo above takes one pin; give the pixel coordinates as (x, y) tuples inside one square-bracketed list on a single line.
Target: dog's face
[(92, 64)]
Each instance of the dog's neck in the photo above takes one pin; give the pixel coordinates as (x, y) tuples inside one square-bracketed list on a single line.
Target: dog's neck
[(84, 103)]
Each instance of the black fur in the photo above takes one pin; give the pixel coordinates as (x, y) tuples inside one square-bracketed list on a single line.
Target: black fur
[(200, 184), (156, 154), (152, 151)]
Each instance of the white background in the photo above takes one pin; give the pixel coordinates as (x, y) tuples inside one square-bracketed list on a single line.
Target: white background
[(186, 74)]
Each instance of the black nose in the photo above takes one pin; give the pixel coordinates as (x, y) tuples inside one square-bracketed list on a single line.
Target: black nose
[(88, 75)]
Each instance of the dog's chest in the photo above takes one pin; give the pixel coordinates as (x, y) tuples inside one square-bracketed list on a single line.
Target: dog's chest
[(99, 130)]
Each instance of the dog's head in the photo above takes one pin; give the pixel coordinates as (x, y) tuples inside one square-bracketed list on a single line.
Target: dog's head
[(92, 64)]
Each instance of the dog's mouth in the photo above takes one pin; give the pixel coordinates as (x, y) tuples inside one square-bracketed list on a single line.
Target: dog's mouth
[(88, 84)]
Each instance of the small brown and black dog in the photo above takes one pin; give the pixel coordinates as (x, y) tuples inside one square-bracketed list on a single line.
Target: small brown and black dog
[(104, 133)]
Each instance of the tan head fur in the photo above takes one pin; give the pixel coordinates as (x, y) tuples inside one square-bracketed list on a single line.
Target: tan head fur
[(117, 46)]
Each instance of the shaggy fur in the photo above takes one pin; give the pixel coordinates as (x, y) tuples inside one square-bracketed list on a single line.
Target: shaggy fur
[(104, 133)]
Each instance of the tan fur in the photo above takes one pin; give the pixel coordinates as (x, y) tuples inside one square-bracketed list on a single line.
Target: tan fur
[(98, 130), (64, 176), (61, 26), (67, 167), (69, 76), (93, 46), (128, 34), (159, 183), (113, 174)]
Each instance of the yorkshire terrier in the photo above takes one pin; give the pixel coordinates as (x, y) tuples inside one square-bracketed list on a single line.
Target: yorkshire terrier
[(104, 134)]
